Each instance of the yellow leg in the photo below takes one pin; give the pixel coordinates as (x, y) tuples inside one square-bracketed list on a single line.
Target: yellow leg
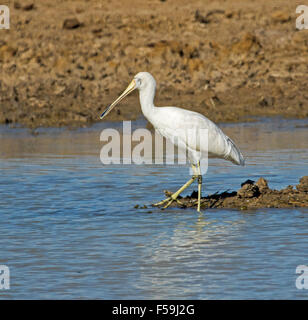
[(199, 187), (174, 196)]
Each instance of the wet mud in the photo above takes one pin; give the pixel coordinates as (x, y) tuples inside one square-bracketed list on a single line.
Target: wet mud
[(63, 62), (251, 195)]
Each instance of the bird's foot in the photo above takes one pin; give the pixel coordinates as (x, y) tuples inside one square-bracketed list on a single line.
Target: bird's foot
[(167, 202), (172, 200), (160, 203)]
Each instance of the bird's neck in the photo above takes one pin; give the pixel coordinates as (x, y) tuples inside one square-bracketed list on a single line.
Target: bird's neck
[(146, 98)]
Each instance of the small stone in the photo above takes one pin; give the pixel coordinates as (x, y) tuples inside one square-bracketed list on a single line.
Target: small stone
[(248, 191), (71, 23), (248, 43), (200, 18), (28, 7), (303, 184), (229, 14), (266, 101), (59, 90), (262, 185), (281, 16)]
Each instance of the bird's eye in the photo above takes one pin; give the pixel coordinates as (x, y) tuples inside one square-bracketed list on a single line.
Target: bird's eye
[(139, 81)]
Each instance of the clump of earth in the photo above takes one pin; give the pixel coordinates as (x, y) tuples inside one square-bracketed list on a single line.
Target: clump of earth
[(251, 195), (63, 62)]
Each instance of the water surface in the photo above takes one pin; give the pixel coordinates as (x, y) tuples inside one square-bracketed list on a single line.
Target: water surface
[(69, 229)]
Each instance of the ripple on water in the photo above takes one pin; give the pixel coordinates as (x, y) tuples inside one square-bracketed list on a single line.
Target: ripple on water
[(69, 228)]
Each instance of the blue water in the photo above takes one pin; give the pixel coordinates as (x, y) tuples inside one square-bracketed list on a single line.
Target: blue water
[(69, 229)]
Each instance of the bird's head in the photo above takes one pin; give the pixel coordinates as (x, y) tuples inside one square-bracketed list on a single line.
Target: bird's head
[(141, 81)]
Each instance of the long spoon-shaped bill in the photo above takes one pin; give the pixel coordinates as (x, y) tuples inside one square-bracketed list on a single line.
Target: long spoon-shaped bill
[(131, 87)]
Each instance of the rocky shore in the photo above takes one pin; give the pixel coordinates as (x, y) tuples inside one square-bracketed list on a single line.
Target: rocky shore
[(62, 62), (251, 195)]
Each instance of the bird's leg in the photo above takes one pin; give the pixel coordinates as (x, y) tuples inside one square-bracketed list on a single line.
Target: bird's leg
[(174, 196), (199, 186)]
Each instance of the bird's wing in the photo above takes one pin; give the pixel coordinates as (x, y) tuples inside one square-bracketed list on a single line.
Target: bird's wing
[(187, 128)]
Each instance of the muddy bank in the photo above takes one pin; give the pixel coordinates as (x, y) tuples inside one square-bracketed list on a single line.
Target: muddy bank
[(251, 195), (62, 62)]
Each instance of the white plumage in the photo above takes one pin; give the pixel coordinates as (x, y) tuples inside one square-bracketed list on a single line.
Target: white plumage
[(177, 125), (172, 121)]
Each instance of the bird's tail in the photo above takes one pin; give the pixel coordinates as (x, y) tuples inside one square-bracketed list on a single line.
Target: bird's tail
[(234, 154)]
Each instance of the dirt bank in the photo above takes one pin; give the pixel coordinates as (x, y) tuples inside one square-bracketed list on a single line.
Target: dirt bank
[(62, 62), (251, 195)]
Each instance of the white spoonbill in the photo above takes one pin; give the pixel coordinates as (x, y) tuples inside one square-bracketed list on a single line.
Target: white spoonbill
[(173, 123)]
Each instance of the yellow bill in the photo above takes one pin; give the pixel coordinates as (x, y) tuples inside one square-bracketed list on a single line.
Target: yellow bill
[(131, 87)]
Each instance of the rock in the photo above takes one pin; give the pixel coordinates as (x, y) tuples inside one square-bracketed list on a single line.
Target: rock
[(262, 185), (59, 90), (266, 101), (281, 16), (71, 23), (200, 18), (209, 17), (7, 52), (247, 43), (249, 197), (194, 65), (300, 40), (248, 191), (303, 184), (36, 103), (27, 7), (229, 14)]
